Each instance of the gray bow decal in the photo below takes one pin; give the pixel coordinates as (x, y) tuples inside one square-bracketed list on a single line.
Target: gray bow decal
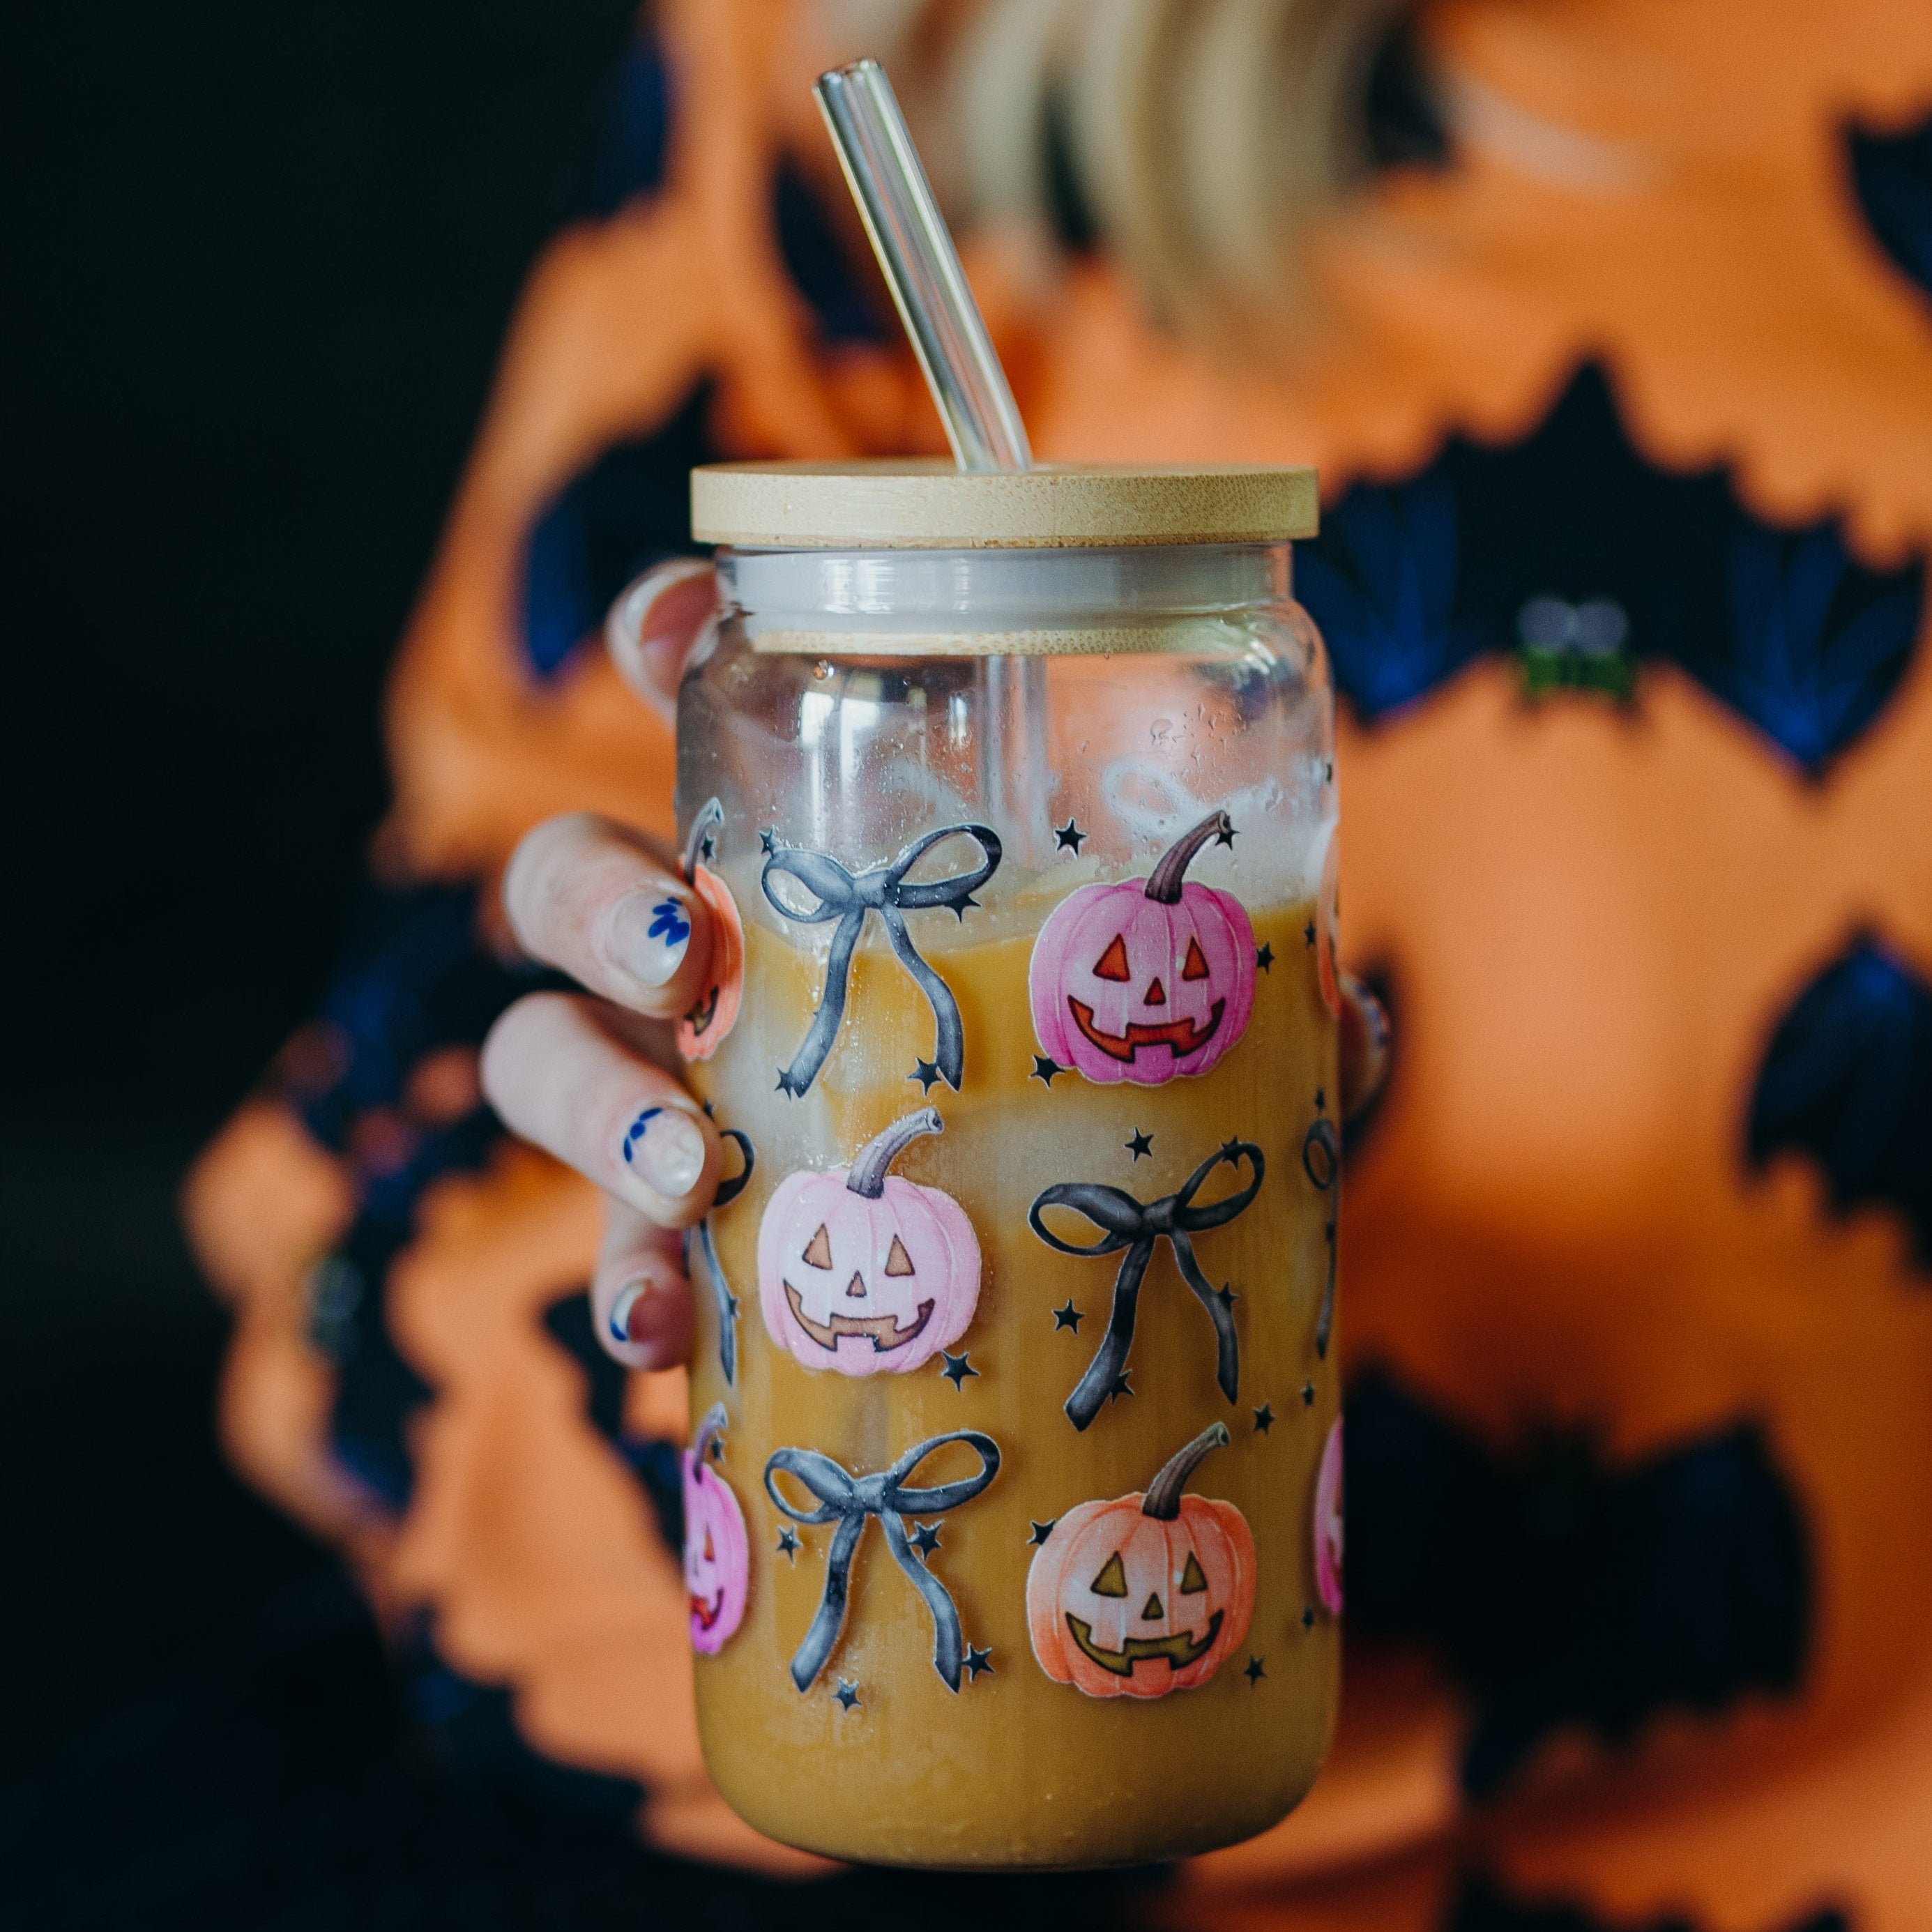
[(1321, 1162), (1137, 1226), (848, 1500), (849, 898), (728, 1191)]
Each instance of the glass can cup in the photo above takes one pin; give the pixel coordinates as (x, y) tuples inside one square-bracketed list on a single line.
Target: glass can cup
[(1013, 1498)]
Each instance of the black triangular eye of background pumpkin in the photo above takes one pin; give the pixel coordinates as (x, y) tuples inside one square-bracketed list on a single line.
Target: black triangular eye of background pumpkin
[(898, 1262), (1112, 963), (1163, 1500), (1164, 882), (867, 1174), (818, 1249), (1112, 1580), (1193, 1581)]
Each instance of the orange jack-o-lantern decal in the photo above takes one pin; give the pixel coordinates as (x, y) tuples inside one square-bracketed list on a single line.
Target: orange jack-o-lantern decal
[(702, 1030), (861, 1269), (1146, 1593), (1148, 978)]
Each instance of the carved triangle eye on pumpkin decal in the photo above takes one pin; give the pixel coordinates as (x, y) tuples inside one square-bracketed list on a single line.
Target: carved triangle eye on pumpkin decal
[(1196, 967), (1112, 1580), (1192, 1582), (818, 1249), (1152, 1610), (1112, 963), (898, 1261)]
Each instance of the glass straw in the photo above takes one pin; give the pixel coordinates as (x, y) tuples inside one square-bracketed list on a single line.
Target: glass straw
[(921, 266)]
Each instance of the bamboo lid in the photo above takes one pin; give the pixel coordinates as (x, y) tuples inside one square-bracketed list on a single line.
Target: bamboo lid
[(931, 506)]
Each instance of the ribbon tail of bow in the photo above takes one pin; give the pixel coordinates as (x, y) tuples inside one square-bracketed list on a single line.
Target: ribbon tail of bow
[(796, 1079), (949, 1650), (821, 1638), (728, 1302), (1227, 1343), (1111, 1357), (1324, 1322), (948, 1050)]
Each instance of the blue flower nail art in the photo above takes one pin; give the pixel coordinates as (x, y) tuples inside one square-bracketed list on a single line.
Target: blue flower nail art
[(668, 922)]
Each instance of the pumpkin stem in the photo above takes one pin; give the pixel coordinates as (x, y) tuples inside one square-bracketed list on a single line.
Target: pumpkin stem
[(867, 1175), (1164, 884), (709, 1431), (710, 817), (1163, 1500)]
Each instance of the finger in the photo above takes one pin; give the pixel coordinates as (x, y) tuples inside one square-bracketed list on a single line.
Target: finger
[(592, 898), (653, 625), (559, 1076), (640, 1298), (1364, 1046)]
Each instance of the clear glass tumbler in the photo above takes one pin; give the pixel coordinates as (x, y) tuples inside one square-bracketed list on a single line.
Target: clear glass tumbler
[(1013, 1529)]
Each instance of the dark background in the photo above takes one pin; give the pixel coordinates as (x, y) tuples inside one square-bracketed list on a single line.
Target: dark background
[(260, 257)]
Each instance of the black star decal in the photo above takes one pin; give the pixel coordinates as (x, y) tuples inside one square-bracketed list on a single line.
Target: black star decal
[(1069, 837), (710, 1110), (1229, 1148), (1328, 773), (926, 1074), (787, 1086), (977, 1660), (1121, 1387), (1254, 1673), (1069, 1317), (1225, 1295), (1041, 1532), (1141, 1143), (1264, 1419), (769, 839), (1308, 1616), (707, 846), (1308, 932), (1226, 835), (717, 1451), (847, 1693), (1321, 1100), (788, 1544), (1265, 955), (926, 1537), (731, 1306), (1044, 1068), (1308, 1395), (957, 1368)]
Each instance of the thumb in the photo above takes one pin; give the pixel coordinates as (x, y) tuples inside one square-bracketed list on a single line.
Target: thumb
[(653, 625)]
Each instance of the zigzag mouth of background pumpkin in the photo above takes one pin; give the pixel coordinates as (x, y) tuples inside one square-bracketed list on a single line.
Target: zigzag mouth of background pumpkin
[(881, 1330), (1179, 1650), (707, 1614), (1181, 1037), (701, 1016)]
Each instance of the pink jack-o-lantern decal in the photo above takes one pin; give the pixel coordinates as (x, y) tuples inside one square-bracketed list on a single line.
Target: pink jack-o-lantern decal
[(717, 1552), (1148, 978), (1327, 921), (1145, 1595), (702, 1030), (861, 1269), (1328, 1523)]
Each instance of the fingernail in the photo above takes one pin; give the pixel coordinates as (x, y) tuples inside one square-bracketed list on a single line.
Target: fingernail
[(664, 1148), (650, 933), (630, 1313)]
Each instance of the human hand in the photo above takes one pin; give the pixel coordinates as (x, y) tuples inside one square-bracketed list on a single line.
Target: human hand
[(591, 1077)]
